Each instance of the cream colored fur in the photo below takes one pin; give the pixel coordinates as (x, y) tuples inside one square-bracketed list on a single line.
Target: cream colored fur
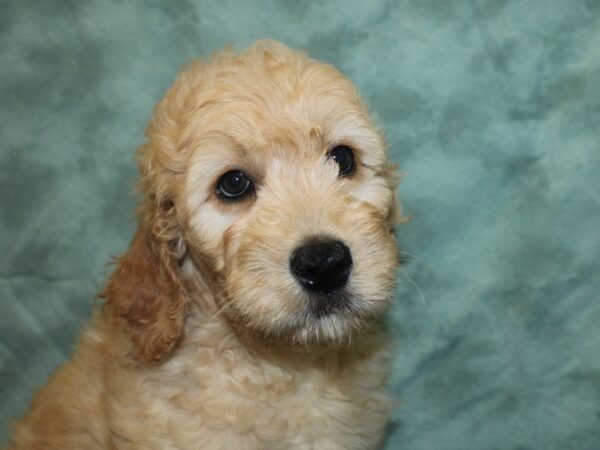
[(203, 342)]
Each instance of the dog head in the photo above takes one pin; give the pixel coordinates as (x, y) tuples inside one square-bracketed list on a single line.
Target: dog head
[(266, 182)]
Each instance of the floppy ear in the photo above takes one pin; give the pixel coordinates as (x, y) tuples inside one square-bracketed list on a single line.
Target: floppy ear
[(145, 290), (145, 293)]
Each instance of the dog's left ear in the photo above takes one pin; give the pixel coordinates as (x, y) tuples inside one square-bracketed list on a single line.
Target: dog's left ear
[(145, 292)]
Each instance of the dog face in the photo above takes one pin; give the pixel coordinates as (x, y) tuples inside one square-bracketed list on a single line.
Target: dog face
[(281, 192), (289, 194)]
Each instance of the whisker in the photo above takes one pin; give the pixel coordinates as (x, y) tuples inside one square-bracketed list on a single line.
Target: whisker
[(223, 308), (410, 255), (412, 283)]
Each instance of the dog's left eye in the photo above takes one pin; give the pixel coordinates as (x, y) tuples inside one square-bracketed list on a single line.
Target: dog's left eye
[(344, 157), (234, 185)]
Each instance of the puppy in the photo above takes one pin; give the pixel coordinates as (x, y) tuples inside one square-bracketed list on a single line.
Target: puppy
[(243, 315)]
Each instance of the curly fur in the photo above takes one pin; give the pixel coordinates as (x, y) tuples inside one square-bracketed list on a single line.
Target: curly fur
[(204, 339)]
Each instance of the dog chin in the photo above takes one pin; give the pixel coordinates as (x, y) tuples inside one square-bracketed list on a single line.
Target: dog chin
[(328, 320)]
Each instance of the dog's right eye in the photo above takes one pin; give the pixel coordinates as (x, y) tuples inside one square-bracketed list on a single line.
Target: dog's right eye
[(234, 185)]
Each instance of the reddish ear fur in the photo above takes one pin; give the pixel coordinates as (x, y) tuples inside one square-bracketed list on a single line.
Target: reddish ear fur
[(145, 292)]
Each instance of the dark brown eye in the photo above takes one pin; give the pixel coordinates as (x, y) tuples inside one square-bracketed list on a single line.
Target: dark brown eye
[(344, 157), (234, 185)]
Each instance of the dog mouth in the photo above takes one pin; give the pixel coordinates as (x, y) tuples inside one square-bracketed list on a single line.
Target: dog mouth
[(319, 304), (331, 318)]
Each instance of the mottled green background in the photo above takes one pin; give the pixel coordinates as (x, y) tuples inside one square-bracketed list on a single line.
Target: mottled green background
[(492, 108)]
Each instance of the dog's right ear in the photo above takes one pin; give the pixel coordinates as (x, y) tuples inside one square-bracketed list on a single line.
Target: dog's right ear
[(146, 295)]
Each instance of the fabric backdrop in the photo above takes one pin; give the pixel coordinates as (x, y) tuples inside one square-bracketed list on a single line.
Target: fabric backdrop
[(492, 109)]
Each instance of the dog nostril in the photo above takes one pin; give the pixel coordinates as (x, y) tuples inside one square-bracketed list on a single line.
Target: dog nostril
[(322, 267)]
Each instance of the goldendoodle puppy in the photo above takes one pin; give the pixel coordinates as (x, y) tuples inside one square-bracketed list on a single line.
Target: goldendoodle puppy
[(243, 315)]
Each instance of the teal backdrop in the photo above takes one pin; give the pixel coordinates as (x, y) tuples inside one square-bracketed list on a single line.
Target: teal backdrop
[(492, 110)]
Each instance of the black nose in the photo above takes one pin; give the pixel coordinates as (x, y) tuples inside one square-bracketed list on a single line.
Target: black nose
[(322, 267)]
